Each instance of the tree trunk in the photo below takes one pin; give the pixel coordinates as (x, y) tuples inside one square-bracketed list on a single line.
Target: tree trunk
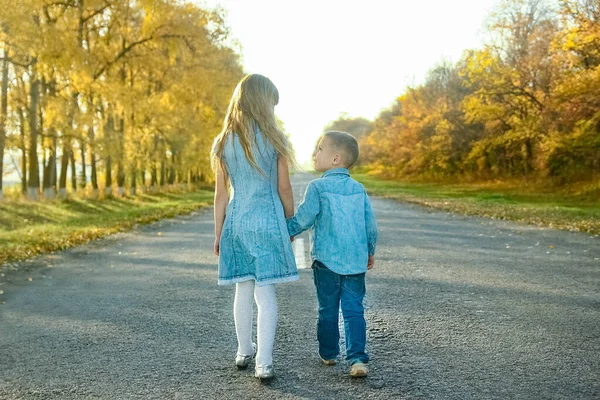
[(3, 111), (50, 170), (153, 177), (83, 175), (108, 137), (50, 179), (133, 191), (108, 178), (92, 148), (23, 151), (121, 140), (93, 171), (120, 178), (64, 166), (44, 158), (54, 175), (121, 155), (143, 179), (172, 171), (73, 171), (48, 153), (153, 170), (34, 174)]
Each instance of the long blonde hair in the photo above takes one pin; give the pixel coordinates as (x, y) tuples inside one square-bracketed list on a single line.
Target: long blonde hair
[(252, 103)]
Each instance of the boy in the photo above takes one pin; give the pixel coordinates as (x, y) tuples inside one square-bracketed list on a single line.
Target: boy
[(339, 212)]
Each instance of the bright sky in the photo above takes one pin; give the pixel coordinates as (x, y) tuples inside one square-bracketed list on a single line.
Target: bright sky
[(327, 57)]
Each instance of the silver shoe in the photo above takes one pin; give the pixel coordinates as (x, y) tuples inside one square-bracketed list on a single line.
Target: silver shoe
[(265, 372), (242, 360)]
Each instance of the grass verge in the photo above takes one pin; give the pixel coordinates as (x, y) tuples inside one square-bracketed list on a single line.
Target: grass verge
[(499, 201), (30, 228)]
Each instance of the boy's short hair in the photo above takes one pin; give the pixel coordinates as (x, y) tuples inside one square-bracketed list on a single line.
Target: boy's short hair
[(346, 143)]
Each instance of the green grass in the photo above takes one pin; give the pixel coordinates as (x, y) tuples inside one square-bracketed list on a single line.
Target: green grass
[(28, 228), (517, 202)]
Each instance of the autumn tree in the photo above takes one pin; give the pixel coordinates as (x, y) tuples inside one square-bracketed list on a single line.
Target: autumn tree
[(108, 89), (523, 106), (573, 149), (356, 126), (510, 80)]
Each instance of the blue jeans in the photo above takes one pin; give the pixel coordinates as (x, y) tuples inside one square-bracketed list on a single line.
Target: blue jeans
[(349, 291)]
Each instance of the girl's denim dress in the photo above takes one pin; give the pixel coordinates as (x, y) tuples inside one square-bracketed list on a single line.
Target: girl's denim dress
[(255, 243)]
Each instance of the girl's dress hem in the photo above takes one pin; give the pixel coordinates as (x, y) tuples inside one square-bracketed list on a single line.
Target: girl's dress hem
[(264, 282)]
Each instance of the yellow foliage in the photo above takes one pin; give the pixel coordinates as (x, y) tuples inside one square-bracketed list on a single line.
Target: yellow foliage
[(132, 73), (528, 103)]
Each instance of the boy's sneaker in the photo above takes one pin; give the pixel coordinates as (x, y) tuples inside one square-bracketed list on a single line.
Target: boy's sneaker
[(359, 370), (329, 362)]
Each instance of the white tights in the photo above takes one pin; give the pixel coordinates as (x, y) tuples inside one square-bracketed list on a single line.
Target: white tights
[(243, 310)]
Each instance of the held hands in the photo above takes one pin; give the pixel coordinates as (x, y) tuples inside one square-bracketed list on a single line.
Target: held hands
[(371, 262)]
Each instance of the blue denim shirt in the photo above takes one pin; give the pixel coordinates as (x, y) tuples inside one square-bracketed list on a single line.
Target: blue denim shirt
[(340, 214)]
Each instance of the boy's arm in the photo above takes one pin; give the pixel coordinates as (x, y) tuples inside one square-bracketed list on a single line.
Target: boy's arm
[(307, 212), (371, 225)]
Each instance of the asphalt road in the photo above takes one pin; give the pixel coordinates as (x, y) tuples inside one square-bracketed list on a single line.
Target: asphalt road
[(457, 308)]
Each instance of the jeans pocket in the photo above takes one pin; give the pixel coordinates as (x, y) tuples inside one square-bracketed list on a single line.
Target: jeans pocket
[(354, 284), (326, 281)]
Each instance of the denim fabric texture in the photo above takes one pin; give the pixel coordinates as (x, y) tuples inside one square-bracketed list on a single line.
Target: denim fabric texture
[(340, 214), (347, 291), (255, 243)]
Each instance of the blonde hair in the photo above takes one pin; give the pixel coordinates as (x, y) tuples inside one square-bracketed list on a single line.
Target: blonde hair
[(251, 106)]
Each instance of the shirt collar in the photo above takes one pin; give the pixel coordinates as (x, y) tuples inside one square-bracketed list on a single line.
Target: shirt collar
[(336, 171)]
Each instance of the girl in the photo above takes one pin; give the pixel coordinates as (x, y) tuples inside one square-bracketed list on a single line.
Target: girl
[(251, 238)]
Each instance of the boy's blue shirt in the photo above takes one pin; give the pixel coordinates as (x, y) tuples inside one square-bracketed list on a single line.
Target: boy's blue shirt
[(340, 214)]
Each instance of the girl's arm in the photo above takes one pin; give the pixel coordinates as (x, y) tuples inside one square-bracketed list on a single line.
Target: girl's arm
[(221, 201), (284, 187)]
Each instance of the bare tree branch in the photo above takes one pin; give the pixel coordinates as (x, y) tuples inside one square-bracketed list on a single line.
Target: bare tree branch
[(12, 61), (130, 47), (16, 165), (95, 12)]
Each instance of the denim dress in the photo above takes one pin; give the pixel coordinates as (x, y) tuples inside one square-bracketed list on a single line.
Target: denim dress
[(255, 243)]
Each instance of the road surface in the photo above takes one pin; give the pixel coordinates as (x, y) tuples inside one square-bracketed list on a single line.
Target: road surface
[(457, 308)]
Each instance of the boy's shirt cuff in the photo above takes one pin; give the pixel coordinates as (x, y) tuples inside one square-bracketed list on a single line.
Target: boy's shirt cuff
[(294, 227), (372, 249)]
